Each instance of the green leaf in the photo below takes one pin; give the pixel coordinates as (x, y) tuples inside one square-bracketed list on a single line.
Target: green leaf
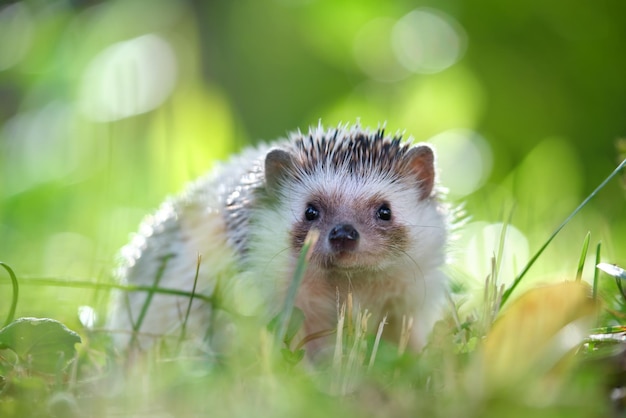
[(292, 357), (44, 344), (295, 323), (15, 286)]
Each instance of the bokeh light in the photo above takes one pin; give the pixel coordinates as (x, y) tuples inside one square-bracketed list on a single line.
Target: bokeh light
[(128, 78), (28, 136), (428, 41), (87, 316), (464, 159), (503, 242), (423, 41)]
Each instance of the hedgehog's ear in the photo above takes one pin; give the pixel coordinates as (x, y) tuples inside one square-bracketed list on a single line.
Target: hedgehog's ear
[(278, 164), (419, 162)]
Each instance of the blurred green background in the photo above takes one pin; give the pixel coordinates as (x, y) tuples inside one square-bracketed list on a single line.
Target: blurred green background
[(106, 107)]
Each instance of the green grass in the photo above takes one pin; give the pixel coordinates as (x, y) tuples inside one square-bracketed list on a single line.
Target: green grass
[(15, 294), (263, 372), (535, 257)]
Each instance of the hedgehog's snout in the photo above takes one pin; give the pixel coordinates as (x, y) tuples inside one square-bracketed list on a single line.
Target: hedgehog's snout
[(343, 237)]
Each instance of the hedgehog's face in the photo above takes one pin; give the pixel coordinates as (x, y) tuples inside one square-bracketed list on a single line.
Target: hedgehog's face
[(357, 230), (365, 197)]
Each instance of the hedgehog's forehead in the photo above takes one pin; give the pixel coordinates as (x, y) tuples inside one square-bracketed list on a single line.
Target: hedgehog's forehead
[(359, 153), (345, 186)]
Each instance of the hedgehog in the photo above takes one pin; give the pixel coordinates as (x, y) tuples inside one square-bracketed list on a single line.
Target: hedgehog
[(371, 199)]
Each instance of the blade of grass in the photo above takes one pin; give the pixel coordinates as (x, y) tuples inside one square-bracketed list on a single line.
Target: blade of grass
[(583, 255), (492, 294), (349, 312), (405, 334), (183, 330), (148, 301), (319, 334), (14, 297), (595, 271), (338, 354), (298, 275), (534, 258), (502, 240), (379, 334), (48, 281), (486, 298), (618, 282)]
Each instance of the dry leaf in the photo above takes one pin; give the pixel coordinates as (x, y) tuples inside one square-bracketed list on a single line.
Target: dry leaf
[(536, 333)]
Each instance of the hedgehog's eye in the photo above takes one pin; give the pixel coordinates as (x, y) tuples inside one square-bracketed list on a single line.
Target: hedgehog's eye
[(311, 213), (384, 212)]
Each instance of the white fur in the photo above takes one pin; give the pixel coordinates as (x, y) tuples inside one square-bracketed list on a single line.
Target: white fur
[(412, 282)]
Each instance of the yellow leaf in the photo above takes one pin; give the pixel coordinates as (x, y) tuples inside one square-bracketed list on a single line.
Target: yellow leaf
[(536, 333)]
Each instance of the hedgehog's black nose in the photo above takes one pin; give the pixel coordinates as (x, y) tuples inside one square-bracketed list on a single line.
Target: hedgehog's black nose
[(343, 237)]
